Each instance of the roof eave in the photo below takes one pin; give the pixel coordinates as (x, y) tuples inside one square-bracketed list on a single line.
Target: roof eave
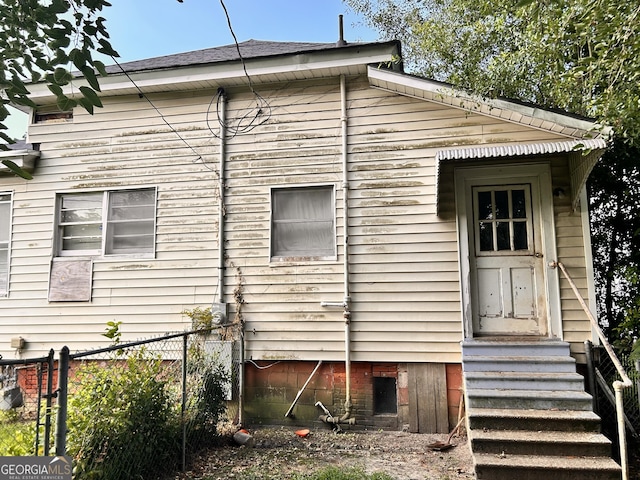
[(280, 68), (566, 125)]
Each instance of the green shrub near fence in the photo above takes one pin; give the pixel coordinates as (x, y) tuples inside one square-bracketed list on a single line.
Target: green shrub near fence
[(16, 434), (132, 415), (121, 419)]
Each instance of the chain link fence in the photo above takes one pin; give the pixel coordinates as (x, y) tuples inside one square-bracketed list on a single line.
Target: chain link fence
[(135, 410), (26, 405)]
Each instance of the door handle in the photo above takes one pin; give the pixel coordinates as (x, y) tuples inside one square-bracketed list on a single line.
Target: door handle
[(538, 255)]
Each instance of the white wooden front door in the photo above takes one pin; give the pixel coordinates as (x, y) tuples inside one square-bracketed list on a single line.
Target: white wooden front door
[(506, 254)]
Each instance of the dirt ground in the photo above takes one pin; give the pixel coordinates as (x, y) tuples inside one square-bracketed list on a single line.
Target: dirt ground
[(278, 453)]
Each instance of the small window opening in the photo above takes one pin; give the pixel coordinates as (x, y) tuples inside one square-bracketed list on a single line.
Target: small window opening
[(52, 117), (385, 399)]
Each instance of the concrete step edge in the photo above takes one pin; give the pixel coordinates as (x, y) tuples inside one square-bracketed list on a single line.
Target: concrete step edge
[(549, 436), (530, 413), (528, 394), (546, 462), (518, 359)]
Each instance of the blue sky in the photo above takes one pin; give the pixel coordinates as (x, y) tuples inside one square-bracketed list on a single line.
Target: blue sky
[(150, 28)]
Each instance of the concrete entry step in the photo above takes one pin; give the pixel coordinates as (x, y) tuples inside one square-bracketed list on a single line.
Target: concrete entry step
[(569, 381), (533, 399), (534, 420), (506, 347), (550, 443), (489, 466), (528, 415)]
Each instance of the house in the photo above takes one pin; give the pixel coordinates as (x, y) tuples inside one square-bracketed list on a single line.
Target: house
[(363, 225)]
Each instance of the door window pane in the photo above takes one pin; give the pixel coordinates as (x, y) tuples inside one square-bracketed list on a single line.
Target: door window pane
[(502, 203), (503, 219)]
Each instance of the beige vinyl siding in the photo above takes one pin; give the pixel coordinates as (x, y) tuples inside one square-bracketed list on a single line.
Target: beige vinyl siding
[(404, 272), (571, 252), (124, 145)]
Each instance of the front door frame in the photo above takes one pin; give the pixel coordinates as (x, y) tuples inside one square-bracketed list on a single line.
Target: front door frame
[(465, 178)]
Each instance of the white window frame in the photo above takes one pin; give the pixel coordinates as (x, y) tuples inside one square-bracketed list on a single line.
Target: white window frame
[(4, 292), (309, 256), (105, 226)]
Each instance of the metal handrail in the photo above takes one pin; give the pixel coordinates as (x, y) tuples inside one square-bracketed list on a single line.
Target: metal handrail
[(618, 386)]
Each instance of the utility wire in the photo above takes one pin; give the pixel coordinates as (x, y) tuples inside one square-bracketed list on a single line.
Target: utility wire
[(252, 118)]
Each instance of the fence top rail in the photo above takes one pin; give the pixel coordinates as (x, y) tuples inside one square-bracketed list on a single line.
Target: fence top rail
[(25, 361), (137, 343)]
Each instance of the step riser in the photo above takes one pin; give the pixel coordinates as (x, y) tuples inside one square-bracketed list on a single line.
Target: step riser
[(533, 424), (541, 448), (525, 384), (506, 473), (496, 364), (528, 403), (542, 350)]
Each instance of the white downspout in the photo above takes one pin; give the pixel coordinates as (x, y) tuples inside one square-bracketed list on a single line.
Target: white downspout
[(345, 215), (222, 112), (346, 418)]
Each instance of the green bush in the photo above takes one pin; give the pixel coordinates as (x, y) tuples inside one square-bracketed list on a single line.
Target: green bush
[(208, 383), (17, 435), (121, 422), (125, 419)]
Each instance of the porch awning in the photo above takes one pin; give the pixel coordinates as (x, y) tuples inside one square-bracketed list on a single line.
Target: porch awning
[(583, 155)]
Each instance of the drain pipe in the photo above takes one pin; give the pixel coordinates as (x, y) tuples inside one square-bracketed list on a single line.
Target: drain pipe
[(346, 418), (222, 115), (221, 173)]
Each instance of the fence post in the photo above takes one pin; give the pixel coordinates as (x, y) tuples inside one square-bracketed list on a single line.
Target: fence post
[(49, 397), (61, 419), (591, 375), (183, 406)]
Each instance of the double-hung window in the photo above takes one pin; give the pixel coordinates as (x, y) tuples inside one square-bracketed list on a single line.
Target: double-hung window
[(5, 241), (120, 222), (303, 223)]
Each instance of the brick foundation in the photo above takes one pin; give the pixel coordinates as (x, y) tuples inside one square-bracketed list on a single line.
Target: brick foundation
[(270, 389)]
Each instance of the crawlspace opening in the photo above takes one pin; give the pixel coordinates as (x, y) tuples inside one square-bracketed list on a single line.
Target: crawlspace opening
[(385, 397)]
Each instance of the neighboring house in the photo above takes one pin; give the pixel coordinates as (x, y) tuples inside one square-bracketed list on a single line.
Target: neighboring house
[(356, 214)]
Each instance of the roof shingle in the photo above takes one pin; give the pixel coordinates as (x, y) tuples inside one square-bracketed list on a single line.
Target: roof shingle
[(227, 53)]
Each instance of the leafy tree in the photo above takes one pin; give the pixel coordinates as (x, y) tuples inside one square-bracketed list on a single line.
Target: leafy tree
[(581, 56), (43, 40)]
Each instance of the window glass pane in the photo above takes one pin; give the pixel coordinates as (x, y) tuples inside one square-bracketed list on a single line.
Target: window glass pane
[(131, 222), (4, 269), (81, 243), (5, 221), (502, 203), (520, 240), (485, 210), (519, 205), (486, 237), (5, 238), (502, 233), (80, 221), (303, 222)]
